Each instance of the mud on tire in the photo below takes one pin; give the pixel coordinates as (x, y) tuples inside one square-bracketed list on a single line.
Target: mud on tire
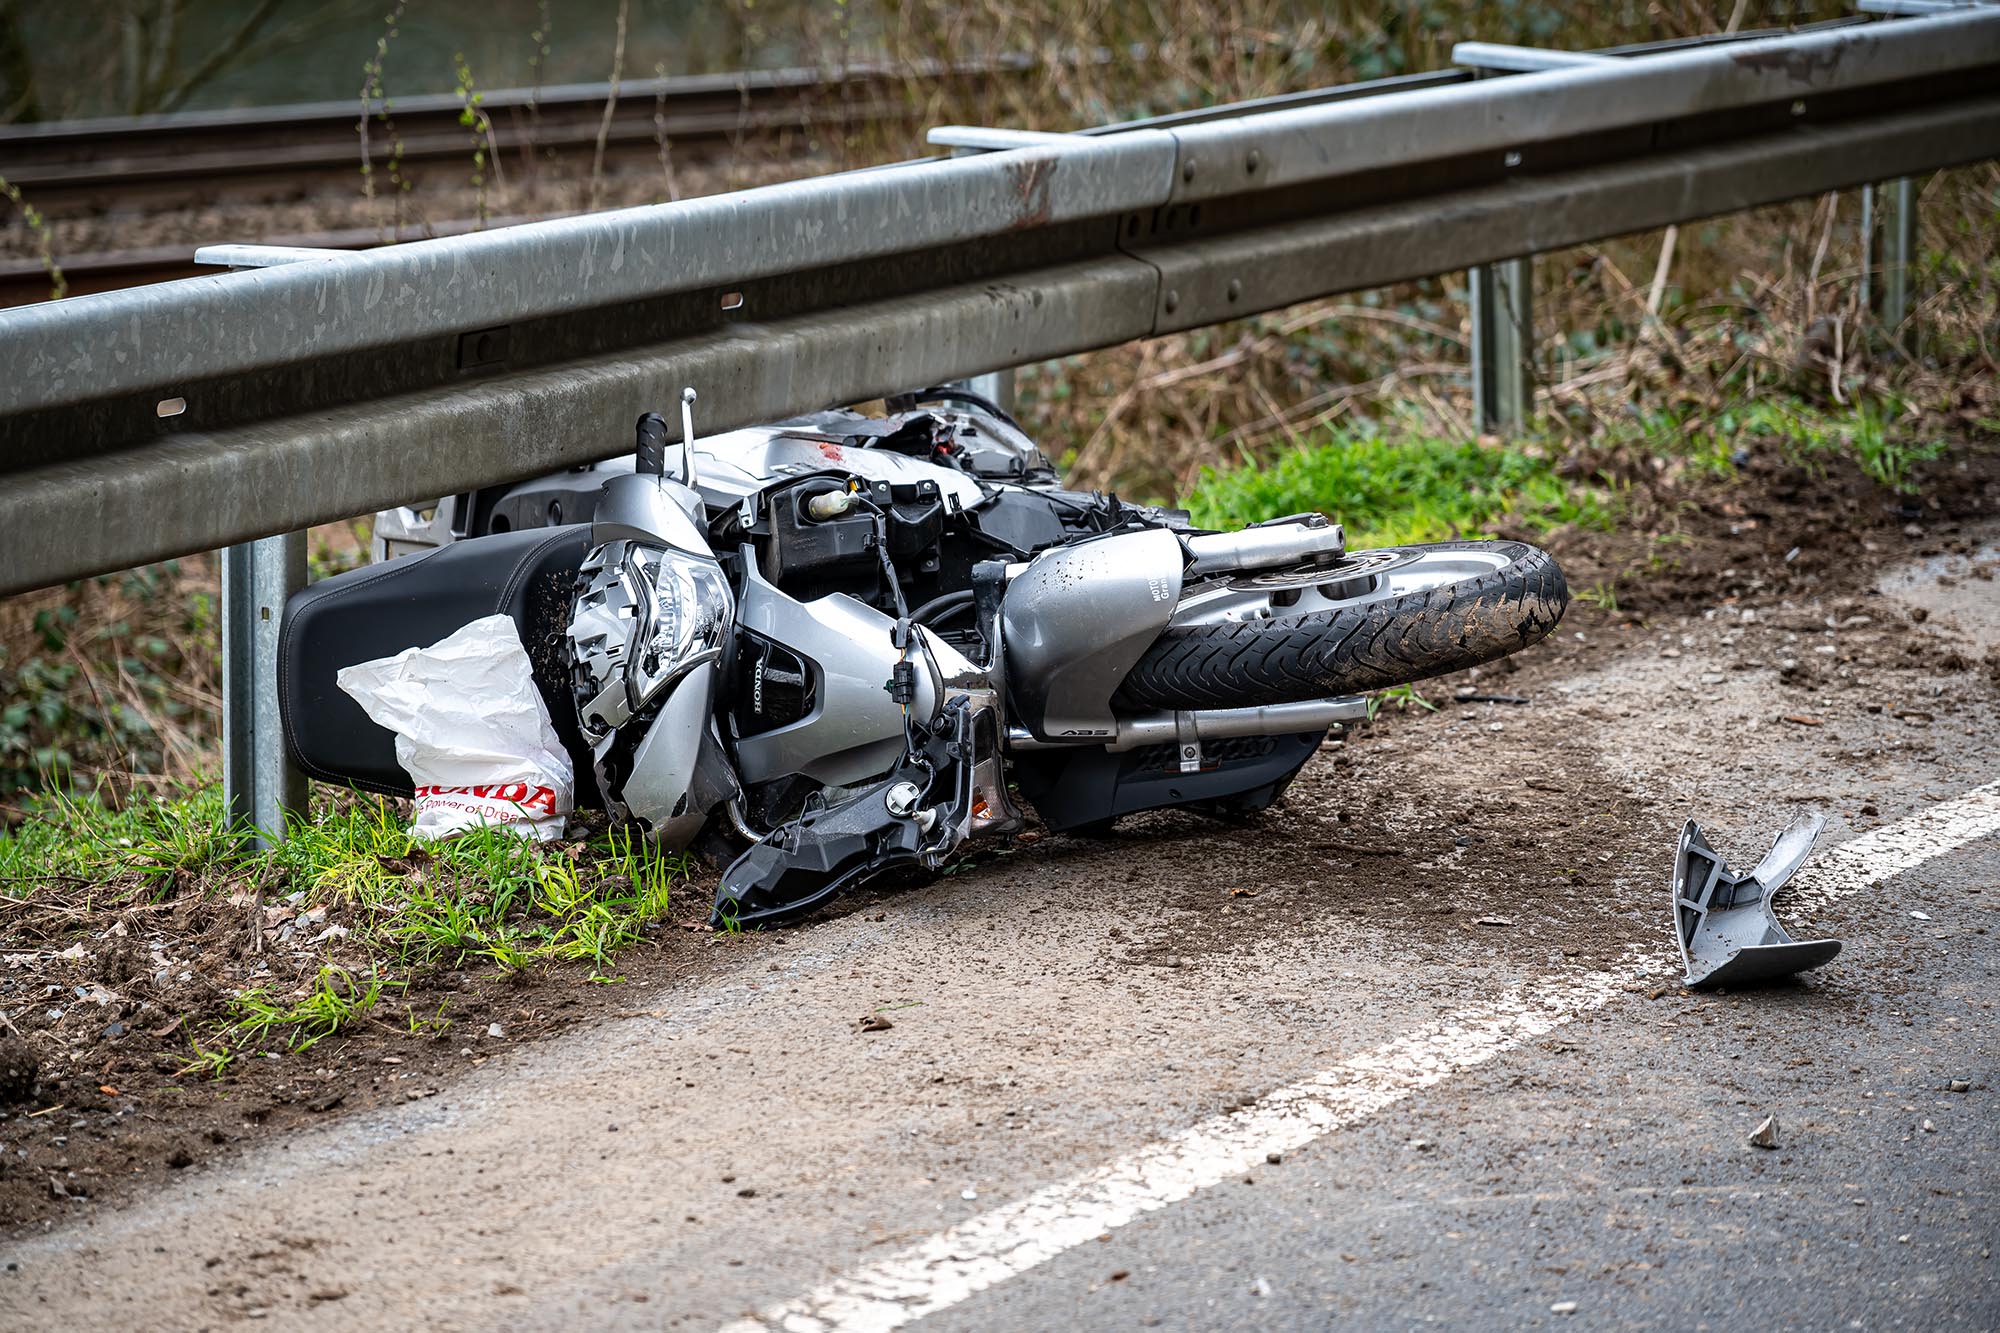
[(1353, 649)]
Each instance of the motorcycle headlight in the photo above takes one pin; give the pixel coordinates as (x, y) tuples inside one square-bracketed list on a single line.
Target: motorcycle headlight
[(643, 617)]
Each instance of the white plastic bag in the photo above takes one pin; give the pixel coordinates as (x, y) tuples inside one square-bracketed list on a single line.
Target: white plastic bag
[(471, 731)]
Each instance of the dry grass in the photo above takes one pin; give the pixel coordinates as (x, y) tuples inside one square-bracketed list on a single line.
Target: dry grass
[(1169, 55), (112, 684), (1763, 302)]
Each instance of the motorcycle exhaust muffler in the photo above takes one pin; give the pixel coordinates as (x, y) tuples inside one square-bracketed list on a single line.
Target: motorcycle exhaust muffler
[(1292, 541), (1266, 546)]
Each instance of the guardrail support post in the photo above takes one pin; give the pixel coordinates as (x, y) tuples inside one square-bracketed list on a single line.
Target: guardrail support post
[(258, 780), (1503, 338), (1889, 232)]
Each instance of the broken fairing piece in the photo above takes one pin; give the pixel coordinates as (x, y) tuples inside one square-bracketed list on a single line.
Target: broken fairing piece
[(1723, 920)]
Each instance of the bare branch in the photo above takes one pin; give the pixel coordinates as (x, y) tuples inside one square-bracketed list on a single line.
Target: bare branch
[(219, 59)]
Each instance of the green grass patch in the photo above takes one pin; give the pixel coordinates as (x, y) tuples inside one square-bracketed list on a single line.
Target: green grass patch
[(141, 848), (1870, 434), (336, 1000), (1388, 491), (405, 907), (484, 897), (1390, 487)]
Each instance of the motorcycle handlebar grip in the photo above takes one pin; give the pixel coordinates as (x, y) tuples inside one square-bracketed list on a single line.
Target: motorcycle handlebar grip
[(652, 445)]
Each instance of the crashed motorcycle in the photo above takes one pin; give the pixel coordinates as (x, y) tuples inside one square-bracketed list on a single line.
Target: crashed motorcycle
[(827, 648)]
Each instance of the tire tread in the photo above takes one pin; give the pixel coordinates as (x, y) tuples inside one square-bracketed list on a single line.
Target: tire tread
[(1355, 649)]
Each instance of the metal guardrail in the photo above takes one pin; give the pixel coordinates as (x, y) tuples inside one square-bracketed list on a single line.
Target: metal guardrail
[(141, 424)]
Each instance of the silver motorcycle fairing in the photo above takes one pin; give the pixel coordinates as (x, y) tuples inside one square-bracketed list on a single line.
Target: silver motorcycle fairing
[(662, 510), (661, 787), (734, 466), (1074, 622), (855, 730), (949, 783)]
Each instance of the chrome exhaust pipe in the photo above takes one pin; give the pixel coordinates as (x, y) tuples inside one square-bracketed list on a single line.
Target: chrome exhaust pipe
[(1265, 547), (1212, 724)]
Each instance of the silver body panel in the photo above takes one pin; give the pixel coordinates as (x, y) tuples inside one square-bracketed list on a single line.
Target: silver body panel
[(663, 766), (1076, 618), (855, 730), (668, 509)]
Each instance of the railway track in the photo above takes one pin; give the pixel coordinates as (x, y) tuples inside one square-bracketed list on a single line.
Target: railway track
[(268, 154), (273, 155)]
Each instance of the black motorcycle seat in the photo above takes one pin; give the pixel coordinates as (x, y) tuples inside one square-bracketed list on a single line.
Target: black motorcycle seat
[(380, 610)]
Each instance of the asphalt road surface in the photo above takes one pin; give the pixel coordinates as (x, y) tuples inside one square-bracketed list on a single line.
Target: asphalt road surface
[(1410, 1050)]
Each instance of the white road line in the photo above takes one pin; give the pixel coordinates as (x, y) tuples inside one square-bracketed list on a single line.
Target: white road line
[(988, 1249), (1863, 862)]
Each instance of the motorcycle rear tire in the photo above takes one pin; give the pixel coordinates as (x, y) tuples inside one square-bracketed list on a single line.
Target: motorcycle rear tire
[(1353, 649)]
